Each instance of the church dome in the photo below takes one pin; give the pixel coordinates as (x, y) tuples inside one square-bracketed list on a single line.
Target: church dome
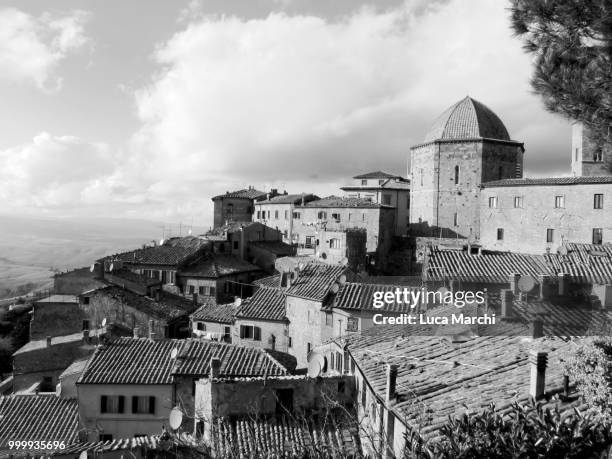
[(467, 119)]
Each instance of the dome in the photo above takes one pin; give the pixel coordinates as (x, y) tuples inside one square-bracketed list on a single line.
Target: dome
[(467, 119)]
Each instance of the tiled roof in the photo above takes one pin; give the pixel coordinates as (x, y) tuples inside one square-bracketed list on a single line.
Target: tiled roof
[(389, 184), (548, 181), (270, 281), (173, 252), (275, 247), (283, 437), (215, 266), (58, 299), (265, 304), (229, 228), (249, 193), (376, 175), (99, 448), (437, 379), (42, 417), (131, 361), (236, 361), (357, 296), (488, 267), (467, 119), (118, 275), (75, 368), (315, 280), (168, 307), (290, 198), (221, 313), (337, 201), (584, 263), (38, 344)]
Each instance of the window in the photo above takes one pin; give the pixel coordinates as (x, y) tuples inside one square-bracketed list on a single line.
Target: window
[(201, 290), (250, 332), (143, 405), (211, 291), (334, 243), (597, 236), (331, 361), (285, 234), (85, 324), (230, 209), (381, 181), (191, 289), (598, 201), (268, 215), (500, 234), (364, 182), (518, 202), (296, 215), (309, 242), (598, 155), (235, 245), (350, 216), (493, 202), (456, 175), (112, 404), (352, 324), (259, 215), (550, 235), (85, 300), (201, 326), (290, 342), (559, 202), (322, 215), (286, 215), (336, 217), (276, 214), (386, 199), (329, 319), (576, 154), (308, 348), (456, 219), (500, 172)]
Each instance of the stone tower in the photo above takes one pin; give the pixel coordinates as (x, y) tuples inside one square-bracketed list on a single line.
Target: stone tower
[(467, 145), (588, 157)]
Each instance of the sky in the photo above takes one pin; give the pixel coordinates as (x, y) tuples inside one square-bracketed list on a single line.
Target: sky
[(146, 109)]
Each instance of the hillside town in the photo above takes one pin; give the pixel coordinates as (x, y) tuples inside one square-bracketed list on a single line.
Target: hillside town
[(261, 337)]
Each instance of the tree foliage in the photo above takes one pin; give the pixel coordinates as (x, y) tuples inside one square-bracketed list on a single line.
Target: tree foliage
[(571, 41), (525, 432)]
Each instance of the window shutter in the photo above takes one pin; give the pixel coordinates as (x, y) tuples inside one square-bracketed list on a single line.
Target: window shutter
[(257, 333), (103, 404), (152, 405), (121, 404), (134, 404), (242, 331)]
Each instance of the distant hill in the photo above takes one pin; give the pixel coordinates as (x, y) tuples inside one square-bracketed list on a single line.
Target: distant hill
[(31, 248)]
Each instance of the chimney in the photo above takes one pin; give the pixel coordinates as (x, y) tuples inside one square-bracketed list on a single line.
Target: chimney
[(215, 367), (562, 284), (514, 278), (507, 306), (537, 363), (544, 290), (391, 381), (194, 298), (537, 327), (86, 336), (136, 332), (151, 332), (48, 341)]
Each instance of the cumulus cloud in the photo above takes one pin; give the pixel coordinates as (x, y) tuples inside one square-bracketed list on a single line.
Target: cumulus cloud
[(32, 47)]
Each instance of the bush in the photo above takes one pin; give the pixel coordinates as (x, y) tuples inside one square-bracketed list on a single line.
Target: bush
[(525, 431)]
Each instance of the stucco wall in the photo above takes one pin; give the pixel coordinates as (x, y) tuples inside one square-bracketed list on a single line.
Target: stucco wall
[(268, 329), (241, 210), (305, 326)]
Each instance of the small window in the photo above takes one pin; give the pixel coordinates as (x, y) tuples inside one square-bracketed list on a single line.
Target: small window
[(518, 202), (352, 324), (250, 332), (290, 342), (334, 243), (559, 202), (550, 235), (456, 219), (85, 324), (493, 202), (227, 334), (112, 404), (598, 155), (456, 175), (296, 215), (598, 201), (500, 234), (235, 245), (364, 182), (597, 236), (191, 289), (201, 290), (386, 199), (308, 348), (286, 215), (336, 217), (381, 181), (143, 405), (85, 300), (212, 291), (576, 157), (201, 326), (322, 215), (276, 214), (259, 215)]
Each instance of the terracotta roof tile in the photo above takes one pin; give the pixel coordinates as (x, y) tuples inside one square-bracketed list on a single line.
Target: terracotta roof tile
[(549, 181), (221, 313), (218, 266), (173, 252), (315, 281), (265, 304), (290, 199), (357, 296), (270, 281), (249, 193), (377, 175), (337, 201), (37, 418)]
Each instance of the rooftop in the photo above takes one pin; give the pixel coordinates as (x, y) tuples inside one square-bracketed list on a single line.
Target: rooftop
[(214, 266), (221, 313), (378, 175), (550, 181), (38, 344), (172, 252), (276, 247), (315, 280), (59, 299), (75, 368), (265, 304), (247, 193), (290, 198), (358, 296), (145, 361), (37, 418), (467, 119), (270, 281), (337, 201)]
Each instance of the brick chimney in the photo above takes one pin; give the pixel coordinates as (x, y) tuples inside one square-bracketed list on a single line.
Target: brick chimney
[(136, 331), (537, 362), (507, 304), (151, 332), (48, 341), (215, 367), (391, 382)]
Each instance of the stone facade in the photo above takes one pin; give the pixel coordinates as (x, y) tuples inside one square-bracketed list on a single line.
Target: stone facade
[(237, 206), (588, 158), (56, 316), (534, 219), (306, 327), (271, 335), (445, 180)]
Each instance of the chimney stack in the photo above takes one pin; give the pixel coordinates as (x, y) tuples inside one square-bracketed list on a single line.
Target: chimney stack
[(151, 332), (136, 331), (507, 306), (86, 336), (48, 341), (391, 382), (537, 362), (562, 284), (215, 367), (194, 297), (514, 278), (537, 327)]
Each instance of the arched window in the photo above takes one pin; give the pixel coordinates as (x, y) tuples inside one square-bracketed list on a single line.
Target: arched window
[(456, 175)]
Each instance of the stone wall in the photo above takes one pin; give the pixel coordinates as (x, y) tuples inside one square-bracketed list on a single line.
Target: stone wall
[(232, 210), (305, 327), (583, 150), (269, 329), (55, 319)]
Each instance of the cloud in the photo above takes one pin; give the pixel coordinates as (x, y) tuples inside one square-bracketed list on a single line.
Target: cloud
[(32, 47)]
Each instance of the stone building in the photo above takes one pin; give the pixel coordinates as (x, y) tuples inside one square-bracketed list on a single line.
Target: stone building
[(277, 212), (384, 188), (466, 146), (56, 315), (538, 215), (347, 247), (236, 206), (214, 321), (589, 158)]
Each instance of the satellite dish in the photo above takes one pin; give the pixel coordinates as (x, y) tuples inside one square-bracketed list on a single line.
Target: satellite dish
[(176, 418), (92, 268), (83, 454), (111, 267), (104, 322), (526, 283), (161, 241), (562, 250), (174, 353), (314, 368), (334, 288), (237, 301), (301, 266), (344, 262), (342, 279)]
